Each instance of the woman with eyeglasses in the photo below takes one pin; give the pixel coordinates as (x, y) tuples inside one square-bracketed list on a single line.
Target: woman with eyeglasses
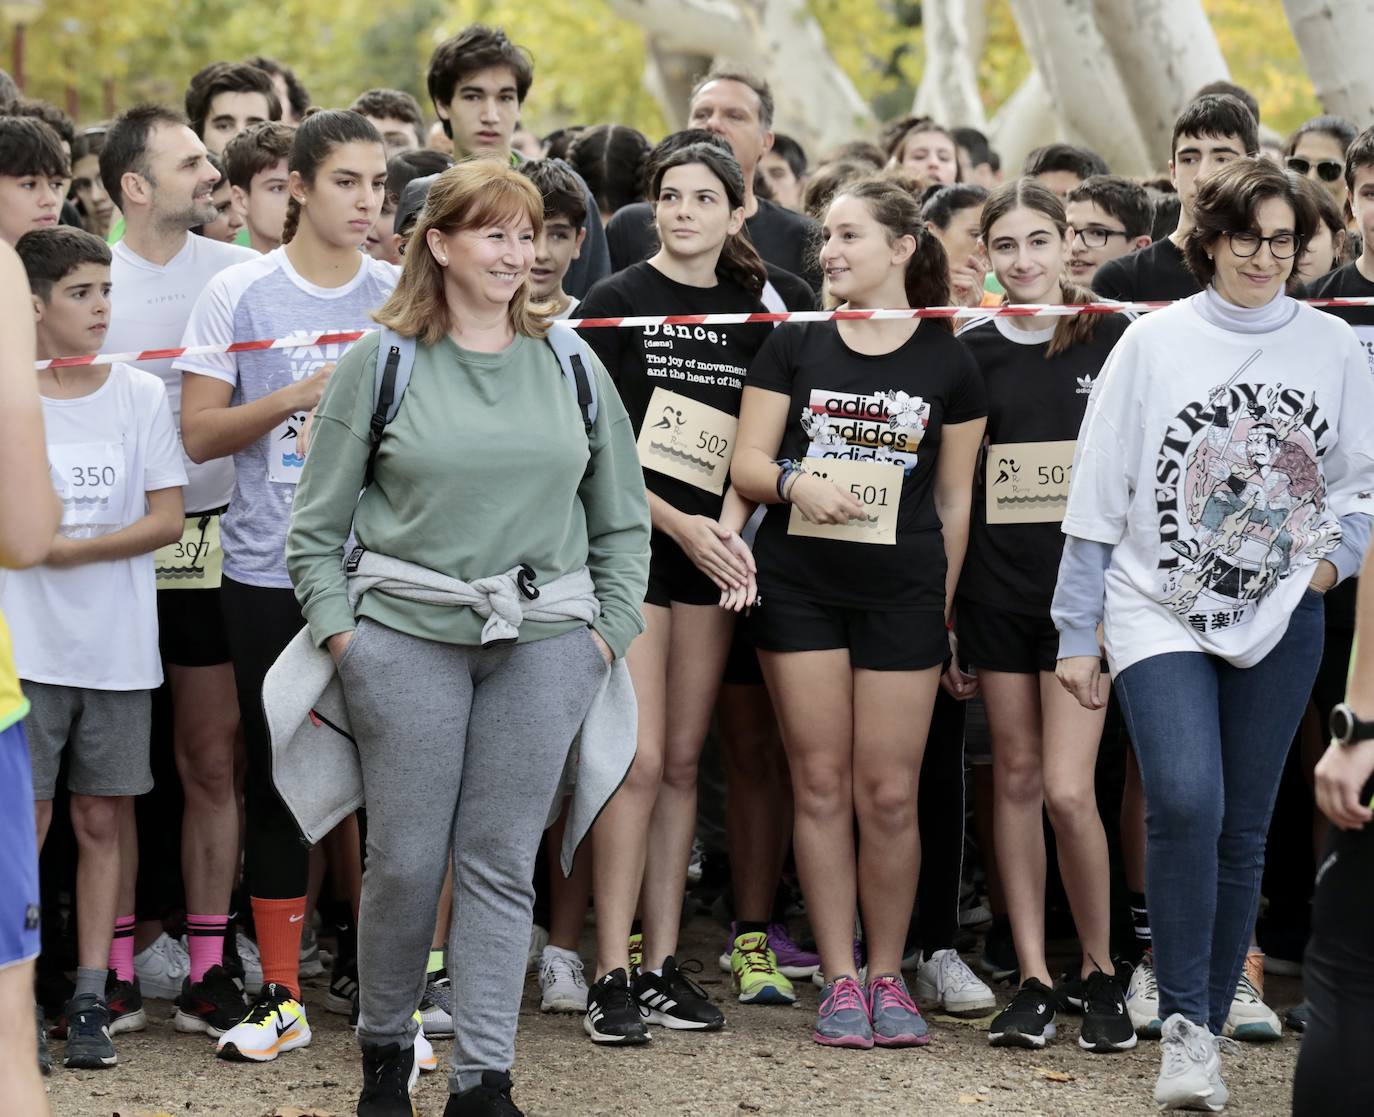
[(1223, 481), (1317, 151)]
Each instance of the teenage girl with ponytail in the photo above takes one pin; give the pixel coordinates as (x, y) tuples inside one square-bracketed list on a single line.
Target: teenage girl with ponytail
[(681, 386), (856, 581), (1038, 373), (252, 405)]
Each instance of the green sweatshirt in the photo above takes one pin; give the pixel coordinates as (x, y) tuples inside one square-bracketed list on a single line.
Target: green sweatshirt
[(484, 467)]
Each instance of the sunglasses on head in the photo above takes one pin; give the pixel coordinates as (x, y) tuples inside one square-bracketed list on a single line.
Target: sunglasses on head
[(1328, 170)]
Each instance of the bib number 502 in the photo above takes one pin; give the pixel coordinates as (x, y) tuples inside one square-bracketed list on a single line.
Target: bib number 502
[(712, 443), (870, 495)]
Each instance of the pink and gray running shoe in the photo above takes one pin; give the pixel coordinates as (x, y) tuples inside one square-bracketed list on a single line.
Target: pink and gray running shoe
[(896, 1020), (843, 1019)]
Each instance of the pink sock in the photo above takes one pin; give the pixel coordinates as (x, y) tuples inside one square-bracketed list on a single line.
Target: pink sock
[(205, 934), (122, 948)]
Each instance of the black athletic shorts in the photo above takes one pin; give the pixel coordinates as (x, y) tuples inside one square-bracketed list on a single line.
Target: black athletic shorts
[(675, 577), (993, 639), (877, 639), (191, 628)]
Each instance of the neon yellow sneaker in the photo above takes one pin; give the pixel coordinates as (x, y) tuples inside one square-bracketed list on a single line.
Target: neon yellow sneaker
[(636, 952), (757, 976), (275, 1024)]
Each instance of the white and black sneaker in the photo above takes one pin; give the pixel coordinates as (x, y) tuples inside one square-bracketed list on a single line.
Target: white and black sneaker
[(674, 1000), (613, 1014), (1028, 1021), (1107, 1025)]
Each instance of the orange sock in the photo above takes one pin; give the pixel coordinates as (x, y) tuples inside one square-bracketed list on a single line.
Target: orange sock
[(279, 924)]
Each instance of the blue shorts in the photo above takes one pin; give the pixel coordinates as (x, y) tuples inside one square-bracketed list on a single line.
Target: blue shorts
[(18, 851)]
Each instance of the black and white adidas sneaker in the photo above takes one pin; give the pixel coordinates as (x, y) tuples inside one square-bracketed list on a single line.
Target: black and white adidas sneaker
[(675, 1000), (613, 1015)]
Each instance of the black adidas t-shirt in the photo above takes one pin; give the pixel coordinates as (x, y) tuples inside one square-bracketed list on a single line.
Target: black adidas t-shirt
[(1031, 398), (704, 363), (851, 405), (784, 239), (1345, 283), (1156, 272)]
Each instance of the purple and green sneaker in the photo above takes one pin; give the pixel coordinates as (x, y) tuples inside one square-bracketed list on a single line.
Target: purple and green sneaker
[(896, 1019), (842, 1020)]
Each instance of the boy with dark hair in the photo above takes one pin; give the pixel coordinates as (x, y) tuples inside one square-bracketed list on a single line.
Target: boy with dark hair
[(1356, 279), (1061, 167), (386, 239), (478, 81), (34, 172), (1212, 131), (978, 163), (784, 168), (292, 95), (50, 115), (396, 115), (255, 165), (85, 622), (1231, 89), (1109, 216), (224, 98), (565, 228)]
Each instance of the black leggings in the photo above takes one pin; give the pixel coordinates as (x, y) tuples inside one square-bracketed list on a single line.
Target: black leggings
[(259, 624), (1335, 1074)]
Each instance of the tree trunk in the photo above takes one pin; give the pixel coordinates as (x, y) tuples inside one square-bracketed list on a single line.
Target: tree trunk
[(955, 31), (1090, 99), (1334, 39), (1165, 51), (1024, 122), (669, 75), (777, 40)]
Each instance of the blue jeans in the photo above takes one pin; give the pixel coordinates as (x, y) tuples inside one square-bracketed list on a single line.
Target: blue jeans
[(1211, 740)]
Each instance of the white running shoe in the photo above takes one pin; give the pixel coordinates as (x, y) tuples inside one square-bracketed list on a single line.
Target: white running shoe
[(274, 1025), (436, 1007), (944, 981), (251, 959), (162, 967), (560, 978), (1142, 999), (694, 863), (1190, 1068), (425, 1058), (1250, 1019), (539, 938), (311, 964)]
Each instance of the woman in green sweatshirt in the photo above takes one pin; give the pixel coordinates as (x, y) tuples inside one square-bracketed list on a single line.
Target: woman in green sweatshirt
[(486, 466)]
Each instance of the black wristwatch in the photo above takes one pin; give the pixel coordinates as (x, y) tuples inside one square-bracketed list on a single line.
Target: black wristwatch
[(1347, 728)]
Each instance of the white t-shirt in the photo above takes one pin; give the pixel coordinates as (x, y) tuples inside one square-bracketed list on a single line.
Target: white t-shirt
[(267, 298), (1216, 464), (95, 625), (150, 304)]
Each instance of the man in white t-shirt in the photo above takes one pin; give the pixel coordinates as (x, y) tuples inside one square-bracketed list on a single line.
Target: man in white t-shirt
[(154, 166), (85, 621)]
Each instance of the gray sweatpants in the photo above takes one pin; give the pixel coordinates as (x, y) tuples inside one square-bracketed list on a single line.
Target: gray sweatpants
[(462, 749)]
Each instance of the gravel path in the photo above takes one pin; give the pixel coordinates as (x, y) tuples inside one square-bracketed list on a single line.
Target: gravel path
[(764, 1062)]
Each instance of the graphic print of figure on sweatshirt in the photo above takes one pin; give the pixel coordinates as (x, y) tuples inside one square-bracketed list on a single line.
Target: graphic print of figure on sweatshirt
[(881, 427), (1240, 498)]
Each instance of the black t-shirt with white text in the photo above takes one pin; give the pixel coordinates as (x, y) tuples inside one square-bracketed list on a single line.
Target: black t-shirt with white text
[(1154, 273), (707, 364), (889, 407), (1031, 398)]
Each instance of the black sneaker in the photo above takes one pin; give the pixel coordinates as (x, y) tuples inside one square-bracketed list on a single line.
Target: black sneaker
[(1298, 1017), (1106, 1023), (44, 1055), (1068, 992), (489, 1099), (212, 1005), (89, 1046), (229, 958), (676, 1001), (124, 999), (998, 959), (613, 1013), (343, 989), (1028, 1021), (389, 1075)]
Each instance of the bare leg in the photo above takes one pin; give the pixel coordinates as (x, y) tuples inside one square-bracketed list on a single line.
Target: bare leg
[(1071, 739), (758, 805), (1133, 826), (344, 852), (697, 649), (445, 913), (620, 834), (96, 822), (20, 1083), (567, 895), (891, 719), (813, 693)]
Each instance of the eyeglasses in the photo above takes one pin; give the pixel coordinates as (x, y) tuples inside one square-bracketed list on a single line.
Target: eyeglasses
[(1095, 236), (1282, 246), (1328, 170)]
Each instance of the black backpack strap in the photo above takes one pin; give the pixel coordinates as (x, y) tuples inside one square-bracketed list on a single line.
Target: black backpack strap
[(584, 391), (386, 395)]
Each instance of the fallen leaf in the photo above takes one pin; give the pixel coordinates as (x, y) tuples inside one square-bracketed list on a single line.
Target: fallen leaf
[(970, 1099), (1052, 1075), (294, 1111), (139, 1113)]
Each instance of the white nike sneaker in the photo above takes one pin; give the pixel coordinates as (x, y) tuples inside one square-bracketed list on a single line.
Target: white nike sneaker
[(944, 981), (425, 1058), (563, 987), (1190, 1068), (161, 967), (1142, 999), (274, 1025)]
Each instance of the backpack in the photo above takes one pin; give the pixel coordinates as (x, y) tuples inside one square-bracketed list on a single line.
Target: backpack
[(396, 359)]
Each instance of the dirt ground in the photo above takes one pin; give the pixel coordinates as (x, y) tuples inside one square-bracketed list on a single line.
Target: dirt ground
[(763, 1062)]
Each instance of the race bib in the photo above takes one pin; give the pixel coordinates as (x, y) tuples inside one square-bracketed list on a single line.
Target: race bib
[(90, 479), (284, 459), (1028, 482), (687, 440), (876, 485), (195, 560)]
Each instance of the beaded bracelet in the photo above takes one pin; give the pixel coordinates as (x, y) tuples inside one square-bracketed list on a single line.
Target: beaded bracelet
[(787, 468)]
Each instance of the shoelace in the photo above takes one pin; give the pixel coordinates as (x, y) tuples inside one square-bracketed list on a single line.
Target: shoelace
[(559, 966), (845, 995), (178, 960), (440, 995), (756, 954), (1147, 977), (387, 1073), (1246, 991), (957, 975), (264, 1008), (615, 997), (889, 991), (1102, 993), (1183, 1046), (680, 980)]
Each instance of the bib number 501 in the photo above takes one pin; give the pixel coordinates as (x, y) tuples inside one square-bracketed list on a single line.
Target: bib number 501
[(870, 496)]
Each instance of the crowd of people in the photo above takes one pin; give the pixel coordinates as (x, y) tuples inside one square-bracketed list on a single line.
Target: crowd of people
[(426, 645)]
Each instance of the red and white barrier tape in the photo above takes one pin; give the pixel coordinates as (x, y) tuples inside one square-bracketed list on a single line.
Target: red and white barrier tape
[(1020, 310)]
